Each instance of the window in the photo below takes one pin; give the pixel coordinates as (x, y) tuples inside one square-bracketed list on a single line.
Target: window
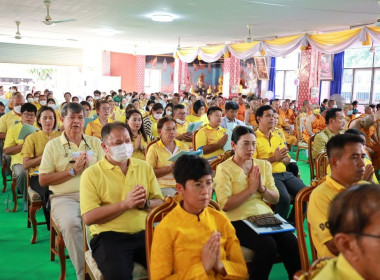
[(361, 76), (287, 76)]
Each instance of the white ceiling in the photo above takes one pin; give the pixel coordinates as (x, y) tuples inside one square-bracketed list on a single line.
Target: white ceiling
[(197, 22)]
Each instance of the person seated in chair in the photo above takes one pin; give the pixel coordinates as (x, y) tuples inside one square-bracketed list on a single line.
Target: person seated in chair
[(314, 123), (63, 161), (354, 219), (231, 109), (212, 137), (347, 162), (13, 147), (336, 123), (243, 186), (271, 147), (33, 149), (159, 153), (115, 195), (194, 241)]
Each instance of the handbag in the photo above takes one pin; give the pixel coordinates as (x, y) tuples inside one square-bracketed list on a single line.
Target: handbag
[(265, 220)]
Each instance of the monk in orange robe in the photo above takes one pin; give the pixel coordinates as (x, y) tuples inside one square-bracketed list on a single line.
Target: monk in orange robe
[(314, 123), (284, 126), (287, 113), (366, 124)]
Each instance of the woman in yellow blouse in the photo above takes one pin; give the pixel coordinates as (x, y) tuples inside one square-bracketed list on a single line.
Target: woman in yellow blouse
[(34, 146), (194, 241), (137, 133), (159, 153), (199, 108), (103, 110), (243, 186)]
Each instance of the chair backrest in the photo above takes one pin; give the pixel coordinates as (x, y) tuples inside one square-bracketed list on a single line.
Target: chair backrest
[(156, 215), (311, 159), (150, 144), (315, 268), (321, 163), (302, 197), (194, 141), (220, 159), (300, 126)]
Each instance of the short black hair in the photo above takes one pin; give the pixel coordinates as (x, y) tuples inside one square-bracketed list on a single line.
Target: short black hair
[(197, 105), (213, 109), (2, 104), (231, 105), (97, 92), (85, 103), (354, 131), (373, 106), (352, 209), (190, 167), (178, 107), (28, 107), (378, 106), (50, 99), (331, 114), (260, 111), (355, 102), (240, 131), (324, 101), (107, 129), (338, 142), (163, 120), (67, 93), (157, 106)]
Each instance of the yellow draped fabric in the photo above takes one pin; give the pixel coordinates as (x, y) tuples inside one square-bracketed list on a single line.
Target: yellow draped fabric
[(243, 46), (334, 37)]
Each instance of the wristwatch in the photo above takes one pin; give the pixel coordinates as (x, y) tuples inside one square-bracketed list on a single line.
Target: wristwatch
[(72, 172)]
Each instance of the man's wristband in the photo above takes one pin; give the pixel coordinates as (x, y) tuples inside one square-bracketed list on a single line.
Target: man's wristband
[(263, 191)]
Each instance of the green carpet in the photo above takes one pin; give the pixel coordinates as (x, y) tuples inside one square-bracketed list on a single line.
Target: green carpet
[(22, 260)]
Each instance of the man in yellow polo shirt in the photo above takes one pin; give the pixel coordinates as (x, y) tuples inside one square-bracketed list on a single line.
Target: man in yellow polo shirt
[(271, 147), (346, 156), (11, 118), (354, 222), (212, 137), (179, 115), (13, 147), (115, 195), (63, 161)]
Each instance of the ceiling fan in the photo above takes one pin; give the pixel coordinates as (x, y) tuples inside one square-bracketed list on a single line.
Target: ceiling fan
[(48, 20), (249, 37), (17, 35)]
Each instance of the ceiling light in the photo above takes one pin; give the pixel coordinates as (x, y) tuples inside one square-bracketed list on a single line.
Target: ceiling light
[(162, 17)]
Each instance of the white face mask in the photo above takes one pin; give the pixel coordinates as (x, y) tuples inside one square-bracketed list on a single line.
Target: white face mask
[(96, 97), (291, 107), (36, 99), (52, 106), (186, 101), (157, 116), (17, 109), (180, 121), (91, 103), (169, 113), (30, 100), (122, 153), (43, 102), (335, 106)]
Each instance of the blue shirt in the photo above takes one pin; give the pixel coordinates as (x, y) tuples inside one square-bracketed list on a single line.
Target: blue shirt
[(225, 121)]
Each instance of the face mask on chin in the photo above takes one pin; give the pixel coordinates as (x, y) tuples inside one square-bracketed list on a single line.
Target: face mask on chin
[(157, 116), (43, 102), (30, 100), (122, 152), (180, 121)]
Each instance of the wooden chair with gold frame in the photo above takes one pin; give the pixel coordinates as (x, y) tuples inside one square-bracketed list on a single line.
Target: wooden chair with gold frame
[(194, 140), (57, 247), (303, 197), (321, 163), (91, 270), (315, 268), (150, 144), (300, 126), (34, 203), (15, 195), (220, 159), (311, 159), (156, 215)]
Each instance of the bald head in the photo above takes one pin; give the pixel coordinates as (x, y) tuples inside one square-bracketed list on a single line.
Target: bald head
[(368, 121)]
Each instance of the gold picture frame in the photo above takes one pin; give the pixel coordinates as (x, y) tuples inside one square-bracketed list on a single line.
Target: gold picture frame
[(261, 68)]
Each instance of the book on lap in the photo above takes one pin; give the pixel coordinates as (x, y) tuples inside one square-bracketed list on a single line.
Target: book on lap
[(284, 227)]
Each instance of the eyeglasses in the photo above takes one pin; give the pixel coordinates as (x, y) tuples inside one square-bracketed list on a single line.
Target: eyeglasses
[(200, 186), (29, 115), (365, 234), (105, 109)]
